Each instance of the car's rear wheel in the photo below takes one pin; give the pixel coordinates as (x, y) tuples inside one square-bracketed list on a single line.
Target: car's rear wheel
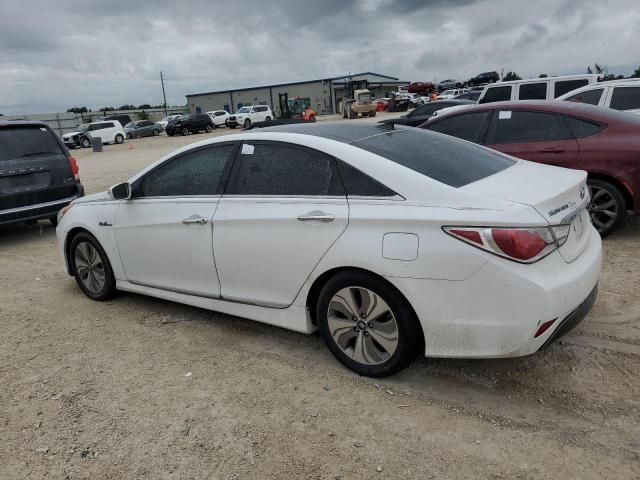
[(119, 138), (367, 324), (86, 143), (607, 207), (91, 267)]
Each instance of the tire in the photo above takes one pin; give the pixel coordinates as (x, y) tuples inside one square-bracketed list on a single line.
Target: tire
[(267, 119), (247, 123), (607, 207), (232, 126), (208, 128), (85, 142), (119, 138), (156, 133), (129, 137), (185, 131), (86, 256), (171, 134), (372, 113), (226, 123), (399, 324)]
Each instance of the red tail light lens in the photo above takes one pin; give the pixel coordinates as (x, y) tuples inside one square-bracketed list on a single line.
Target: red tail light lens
[(544, 327), (74, 168), (520, 244)]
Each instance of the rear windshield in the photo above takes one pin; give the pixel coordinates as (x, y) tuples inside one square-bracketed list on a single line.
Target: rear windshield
[(24, 142), (446, 159)]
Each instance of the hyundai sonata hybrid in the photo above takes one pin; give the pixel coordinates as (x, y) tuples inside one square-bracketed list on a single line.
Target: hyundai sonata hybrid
[(389, 241)]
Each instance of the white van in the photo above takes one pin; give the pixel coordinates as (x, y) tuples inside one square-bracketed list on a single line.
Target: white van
[(617, 94), (535, 88)]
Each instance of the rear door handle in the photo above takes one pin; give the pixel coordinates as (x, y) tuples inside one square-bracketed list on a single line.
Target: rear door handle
[(317, 216), (195, 219)]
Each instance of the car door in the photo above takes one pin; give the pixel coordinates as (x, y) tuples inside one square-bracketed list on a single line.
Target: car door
[(537, 136), (164, 233), (145, 128), (283, 208)]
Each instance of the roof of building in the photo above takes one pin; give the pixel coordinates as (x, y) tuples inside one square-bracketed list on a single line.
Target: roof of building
[(332, 79)]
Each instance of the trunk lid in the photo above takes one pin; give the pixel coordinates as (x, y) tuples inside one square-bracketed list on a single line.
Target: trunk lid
[(559, 195), (33, 167)]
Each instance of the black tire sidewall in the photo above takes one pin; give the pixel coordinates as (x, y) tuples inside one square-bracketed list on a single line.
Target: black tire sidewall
[(109, 288), (119, 139), (208, 129), (619, 199), (410, 335)]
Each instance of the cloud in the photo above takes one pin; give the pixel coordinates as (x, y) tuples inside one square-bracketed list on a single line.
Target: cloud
[(54, 55)]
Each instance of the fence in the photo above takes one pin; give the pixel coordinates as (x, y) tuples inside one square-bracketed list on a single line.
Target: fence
[(62, 123)]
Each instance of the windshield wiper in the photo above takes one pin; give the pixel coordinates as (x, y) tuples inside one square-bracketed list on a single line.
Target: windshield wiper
[(33, 154)]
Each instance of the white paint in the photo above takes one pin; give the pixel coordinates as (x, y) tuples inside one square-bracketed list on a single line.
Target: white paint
[(400, 246)]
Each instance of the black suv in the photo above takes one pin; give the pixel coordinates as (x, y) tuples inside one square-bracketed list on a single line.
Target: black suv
[(486, 77), (38, 177), (187, 124)]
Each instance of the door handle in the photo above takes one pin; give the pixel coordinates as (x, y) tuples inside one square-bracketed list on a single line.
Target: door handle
[(195, 219), (317, 216)]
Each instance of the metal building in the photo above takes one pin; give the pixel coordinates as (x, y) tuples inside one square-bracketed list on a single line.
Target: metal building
[(324, 94)]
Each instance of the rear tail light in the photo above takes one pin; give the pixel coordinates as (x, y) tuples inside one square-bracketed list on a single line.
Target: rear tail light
[(74, 168), (544, 327), (520, 244)]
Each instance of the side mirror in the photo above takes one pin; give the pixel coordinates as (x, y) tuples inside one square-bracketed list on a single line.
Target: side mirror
[(121, 191)]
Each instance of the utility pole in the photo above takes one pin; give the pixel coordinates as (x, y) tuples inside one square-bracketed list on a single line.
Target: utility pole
[(163, 95)]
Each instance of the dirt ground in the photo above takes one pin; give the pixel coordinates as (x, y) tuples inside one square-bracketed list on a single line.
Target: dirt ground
[(143, 388)]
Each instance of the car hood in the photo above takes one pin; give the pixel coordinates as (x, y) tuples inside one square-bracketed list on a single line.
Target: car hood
[(70, 134), (94, 197)]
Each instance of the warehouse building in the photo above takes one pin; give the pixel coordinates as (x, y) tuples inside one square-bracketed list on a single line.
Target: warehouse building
[(324, 94)]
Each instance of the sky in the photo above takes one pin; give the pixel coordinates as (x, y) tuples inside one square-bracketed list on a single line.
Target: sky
[(64, 53)]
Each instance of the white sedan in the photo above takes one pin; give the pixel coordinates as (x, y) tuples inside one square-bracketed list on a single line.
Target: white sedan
[(390, 242)]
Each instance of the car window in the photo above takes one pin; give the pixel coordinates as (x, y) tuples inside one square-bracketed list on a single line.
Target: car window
[(582, 128), (468, 126), (445, 159), (565, 86), (518, 126), (592, 97), (280, 169), (497, 94), (533, 91), (625, 98), (28, 141), (108, 125), (360, 184), (196, 173)]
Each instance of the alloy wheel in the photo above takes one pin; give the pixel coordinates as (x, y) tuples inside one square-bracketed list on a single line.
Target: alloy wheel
[(603, 208), (362, 325), (90, 267)]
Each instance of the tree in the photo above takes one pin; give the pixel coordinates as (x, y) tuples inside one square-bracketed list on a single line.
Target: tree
[(511, 76), (107, 109), (127, 107), (78, 110), (636, 73), (543, 75), (144, 106), (589, 71)]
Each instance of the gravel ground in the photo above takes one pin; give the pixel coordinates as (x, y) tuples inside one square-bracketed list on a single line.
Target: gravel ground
[(143, 388)]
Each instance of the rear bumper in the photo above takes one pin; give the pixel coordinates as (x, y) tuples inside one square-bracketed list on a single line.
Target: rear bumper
[(39, 210)]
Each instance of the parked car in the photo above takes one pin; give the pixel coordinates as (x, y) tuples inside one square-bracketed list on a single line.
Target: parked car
[(618, 94), (109, 131), (420, 87), (248, 115), (449, 83), (165, 121), (142, 128), (604, 142), (452, 93), (432, 220), (187, 124), (38, 176), (486, 77), (471, 95), (424, 112), (546, 88), (123, 119), (219, 117)]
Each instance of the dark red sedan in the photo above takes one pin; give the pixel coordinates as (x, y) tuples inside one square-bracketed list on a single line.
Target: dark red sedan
[(602, 141)]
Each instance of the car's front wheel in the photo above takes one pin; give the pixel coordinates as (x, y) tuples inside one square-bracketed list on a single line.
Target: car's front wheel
[(91, 267), (185, 131), (607, 207), (208, 128), (367, 324), (156, 132), (86, 143), (247, 123)]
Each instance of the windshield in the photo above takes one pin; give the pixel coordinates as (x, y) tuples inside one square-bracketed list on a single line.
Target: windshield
[(28, 141), (244, 110), (130, 125), (448, 92)]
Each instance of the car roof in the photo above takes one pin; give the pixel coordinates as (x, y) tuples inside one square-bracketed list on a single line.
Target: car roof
[(22, 123), (345, 132), (556, 106)]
